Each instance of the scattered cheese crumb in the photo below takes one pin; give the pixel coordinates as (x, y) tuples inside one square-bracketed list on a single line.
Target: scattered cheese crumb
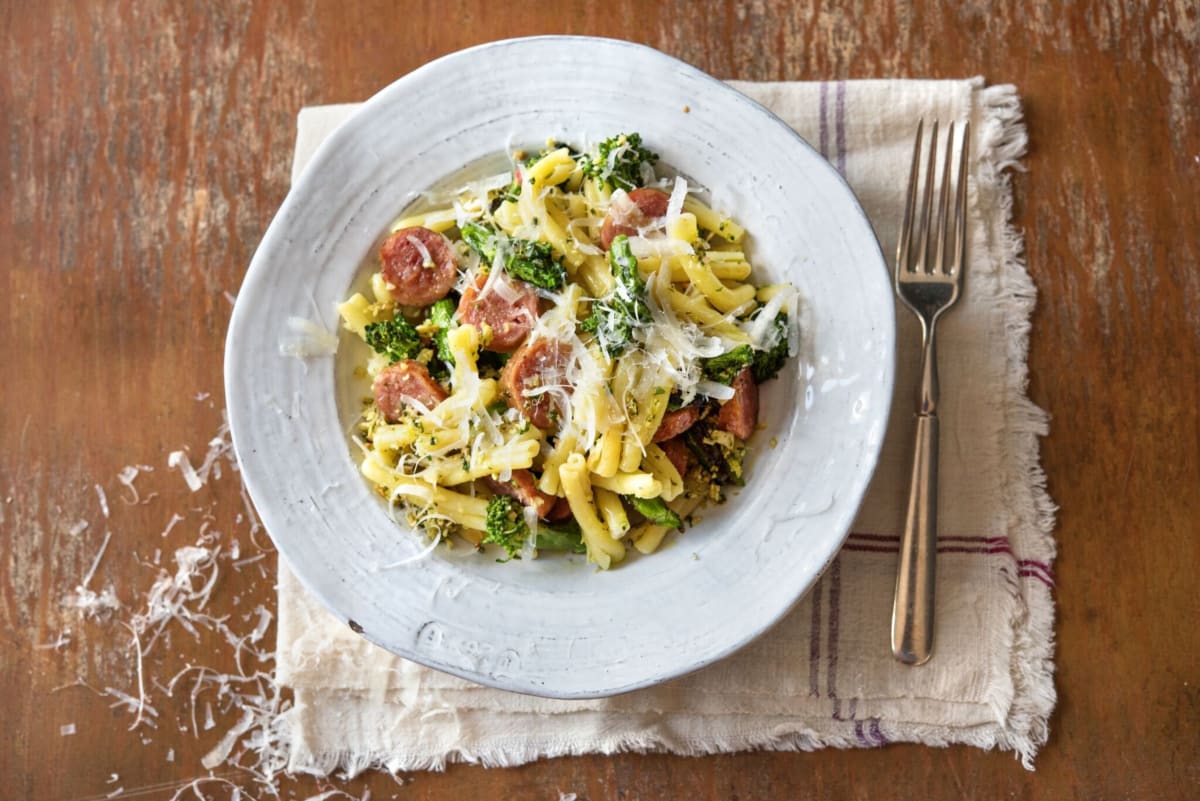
[(313, 339), (127, 476), (103, 499)]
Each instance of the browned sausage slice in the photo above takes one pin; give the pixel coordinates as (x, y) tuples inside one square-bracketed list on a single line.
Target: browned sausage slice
[(510, 320), (523, 487), (560, 511), (677, 452), (399, 384), (675, 423), (418, 265), (537, 363), (739, 414), (649, 205)]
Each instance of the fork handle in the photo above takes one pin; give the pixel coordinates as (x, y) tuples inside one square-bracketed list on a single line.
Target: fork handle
[(912, 610)]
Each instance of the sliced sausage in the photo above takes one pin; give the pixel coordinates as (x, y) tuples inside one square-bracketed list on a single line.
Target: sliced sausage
[(648, 205), (560, 511), (536, 364), (510, 320), (739, 414), (677, 452), (675, 423), (523, 487), (399, 384), (418, 265)]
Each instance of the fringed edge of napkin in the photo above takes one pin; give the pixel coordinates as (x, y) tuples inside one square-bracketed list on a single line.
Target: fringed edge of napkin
[(1025, 709)]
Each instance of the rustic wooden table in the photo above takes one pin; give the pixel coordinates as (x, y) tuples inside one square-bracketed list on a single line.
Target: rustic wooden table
[(147, 147)]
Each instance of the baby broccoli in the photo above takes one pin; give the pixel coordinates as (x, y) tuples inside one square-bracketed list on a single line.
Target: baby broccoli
[(768, 363), (533, 262), (395, 338), (764, 364), (506, 525), (561, 537), (619, 162), (724, 368), (654, 510), (616, 315), (719, 454), (441, 314)]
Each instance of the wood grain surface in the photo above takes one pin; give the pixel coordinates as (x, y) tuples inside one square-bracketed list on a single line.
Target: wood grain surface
[(147, 147)]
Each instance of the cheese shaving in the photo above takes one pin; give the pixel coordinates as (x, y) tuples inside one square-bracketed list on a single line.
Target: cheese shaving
[(178, 460), (102, 498), (127, 476), (426, 256), (96, 562), (675, 204), (313, 339)]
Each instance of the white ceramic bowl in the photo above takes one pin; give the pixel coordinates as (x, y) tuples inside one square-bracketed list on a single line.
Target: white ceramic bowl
[(555, 627)]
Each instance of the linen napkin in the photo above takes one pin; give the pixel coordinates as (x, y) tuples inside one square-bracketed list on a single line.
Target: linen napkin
[(825, 675)]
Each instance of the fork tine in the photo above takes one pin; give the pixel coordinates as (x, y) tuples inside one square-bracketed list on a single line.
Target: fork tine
[(902, 250), (960, 203), (943, 207), (926, 201)]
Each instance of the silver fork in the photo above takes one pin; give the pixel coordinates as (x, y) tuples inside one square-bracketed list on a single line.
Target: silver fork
[(928, 283)]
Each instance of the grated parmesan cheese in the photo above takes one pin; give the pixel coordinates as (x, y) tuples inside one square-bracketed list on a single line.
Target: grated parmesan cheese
[(312, 339)]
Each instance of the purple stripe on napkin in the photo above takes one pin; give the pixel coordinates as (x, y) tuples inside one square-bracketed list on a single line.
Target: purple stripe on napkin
[(814, 641)]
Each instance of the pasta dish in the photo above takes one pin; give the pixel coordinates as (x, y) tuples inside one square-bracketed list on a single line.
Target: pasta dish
[(566, 356)]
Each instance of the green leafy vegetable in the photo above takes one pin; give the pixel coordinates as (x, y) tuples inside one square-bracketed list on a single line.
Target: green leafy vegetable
[(719, 454), (768, 363), (764, 364), (618, 162), (481, 238), (533, 262), (724, 368), (506, 525), (396, 339), (441, 314), (560, 537), (654, 510), (511, 193), (615, 316)]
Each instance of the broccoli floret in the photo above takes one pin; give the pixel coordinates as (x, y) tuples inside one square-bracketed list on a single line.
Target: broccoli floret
[(511, 193), (533, 262), (619, 161), (560, 537), (719, 454), (441, 314), (395, 338), (764, 364), (481, 238), (724, 368), (768, 363), (616, 315), (506, 525), (654, 510)]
